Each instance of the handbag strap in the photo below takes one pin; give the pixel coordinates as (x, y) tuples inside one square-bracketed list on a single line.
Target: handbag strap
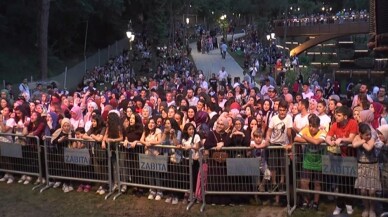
[(215, 136)]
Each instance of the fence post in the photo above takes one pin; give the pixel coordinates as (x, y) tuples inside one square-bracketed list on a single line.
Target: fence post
[(64, 81)]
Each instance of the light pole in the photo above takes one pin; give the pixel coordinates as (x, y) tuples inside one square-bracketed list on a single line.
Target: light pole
[(186, 30), (222, 18), (131, 38), (270, 37)]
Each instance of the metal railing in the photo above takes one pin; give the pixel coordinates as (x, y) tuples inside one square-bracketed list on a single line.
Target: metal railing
[(243, 171), (21, 155), (334, 175)]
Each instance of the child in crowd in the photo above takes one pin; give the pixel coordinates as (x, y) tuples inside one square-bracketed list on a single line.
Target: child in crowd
[(368, 180), (78, 144), (312, 158), (258, 144)]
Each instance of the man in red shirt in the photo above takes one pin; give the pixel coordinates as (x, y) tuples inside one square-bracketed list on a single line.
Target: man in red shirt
[(342, 133)]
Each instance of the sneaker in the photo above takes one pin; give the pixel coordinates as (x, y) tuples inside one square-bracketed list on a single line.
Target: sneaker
[(22, 179), (349, 209), (337, 211), (102, 191), (123, 189), (115, 187), (70, 188), (168, 200), (27, 181), (158, 197), (365, 213), (10, 179), (5, 178), (151, 196), (372, 213), (314, 206), (57, 184), (175, 201), (38, 181), (98, 190), (43, 181), (304, 206), (80, 188), (87, 188), (65, 188), (51, 184)]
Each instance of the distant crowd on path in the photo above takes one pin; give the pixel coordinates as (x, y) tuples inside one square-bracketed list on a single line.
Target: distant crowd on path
[(178, 102), (325, 18)]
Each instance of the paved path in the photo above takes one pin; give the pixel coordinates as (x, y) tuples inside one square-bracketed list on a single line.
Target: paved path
[(212, 62)]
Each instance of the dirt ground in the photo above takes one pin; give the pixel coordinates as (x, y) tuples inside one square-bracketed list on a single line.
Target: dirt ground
[(19, 200)]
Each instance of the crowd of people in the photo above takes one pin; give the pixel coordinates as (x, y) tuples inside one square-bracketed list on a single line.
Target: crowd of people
[(325, 18), (176, 104)]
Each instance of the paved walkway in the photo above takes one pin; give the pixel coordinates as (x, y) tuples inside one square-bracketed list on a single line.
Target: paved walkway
[(212, 62)]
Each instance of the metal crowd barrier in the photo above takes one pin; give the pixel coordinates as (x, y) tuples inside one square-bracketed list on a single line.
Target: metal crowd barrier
[(244, 172), (78, 160), (335, 175), (153, 168), (20, 155)]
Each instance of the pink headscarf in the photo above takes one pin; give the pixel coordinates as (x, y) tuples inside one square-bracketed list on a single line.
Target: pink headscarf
[(77, 110), (377, 114)]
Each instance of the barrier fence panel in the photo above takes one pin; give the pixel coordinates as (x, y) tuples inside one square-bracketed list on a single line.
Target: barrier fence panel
[(235, 173), (316, 171), (20, 155), (78, 161), (160, 168)]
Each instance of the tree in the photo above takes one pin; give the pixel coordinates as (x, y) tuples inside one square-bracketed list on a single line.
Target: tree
[(43, 32)]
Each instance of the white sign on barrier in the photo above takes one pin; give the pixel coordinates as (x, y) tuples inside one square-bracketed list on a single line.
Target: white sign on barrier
[(242, 166), (11, 150), (339, 166), (77, 156), (153, 163)]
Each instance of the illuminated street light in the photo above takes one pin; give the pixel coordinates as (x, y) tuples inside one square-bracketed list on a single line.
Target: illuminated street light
[(130, 35), (270, 37)]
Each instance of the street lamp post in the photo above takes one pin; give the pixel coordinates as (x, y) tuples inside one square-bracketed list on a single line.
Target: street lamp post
[(270, 37), (222, 18), (186, 30), (131, 38)]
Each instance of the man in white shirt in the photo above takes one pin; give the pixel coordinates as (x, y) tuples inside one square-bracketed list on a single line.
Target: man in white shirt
[(264, 88), (363, 89), (222, 74), (170, 99), (222, 77), (191, 98), (24, 89), (307, 93), (301, 120)]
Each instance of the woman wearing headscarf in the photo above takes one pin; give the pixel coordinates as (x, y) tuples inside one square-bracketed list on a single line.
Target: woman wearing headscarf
[(88, 116), (76, 119), (59, 141), (238, 136), (377, 109), (217, 139), (367, 117)]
